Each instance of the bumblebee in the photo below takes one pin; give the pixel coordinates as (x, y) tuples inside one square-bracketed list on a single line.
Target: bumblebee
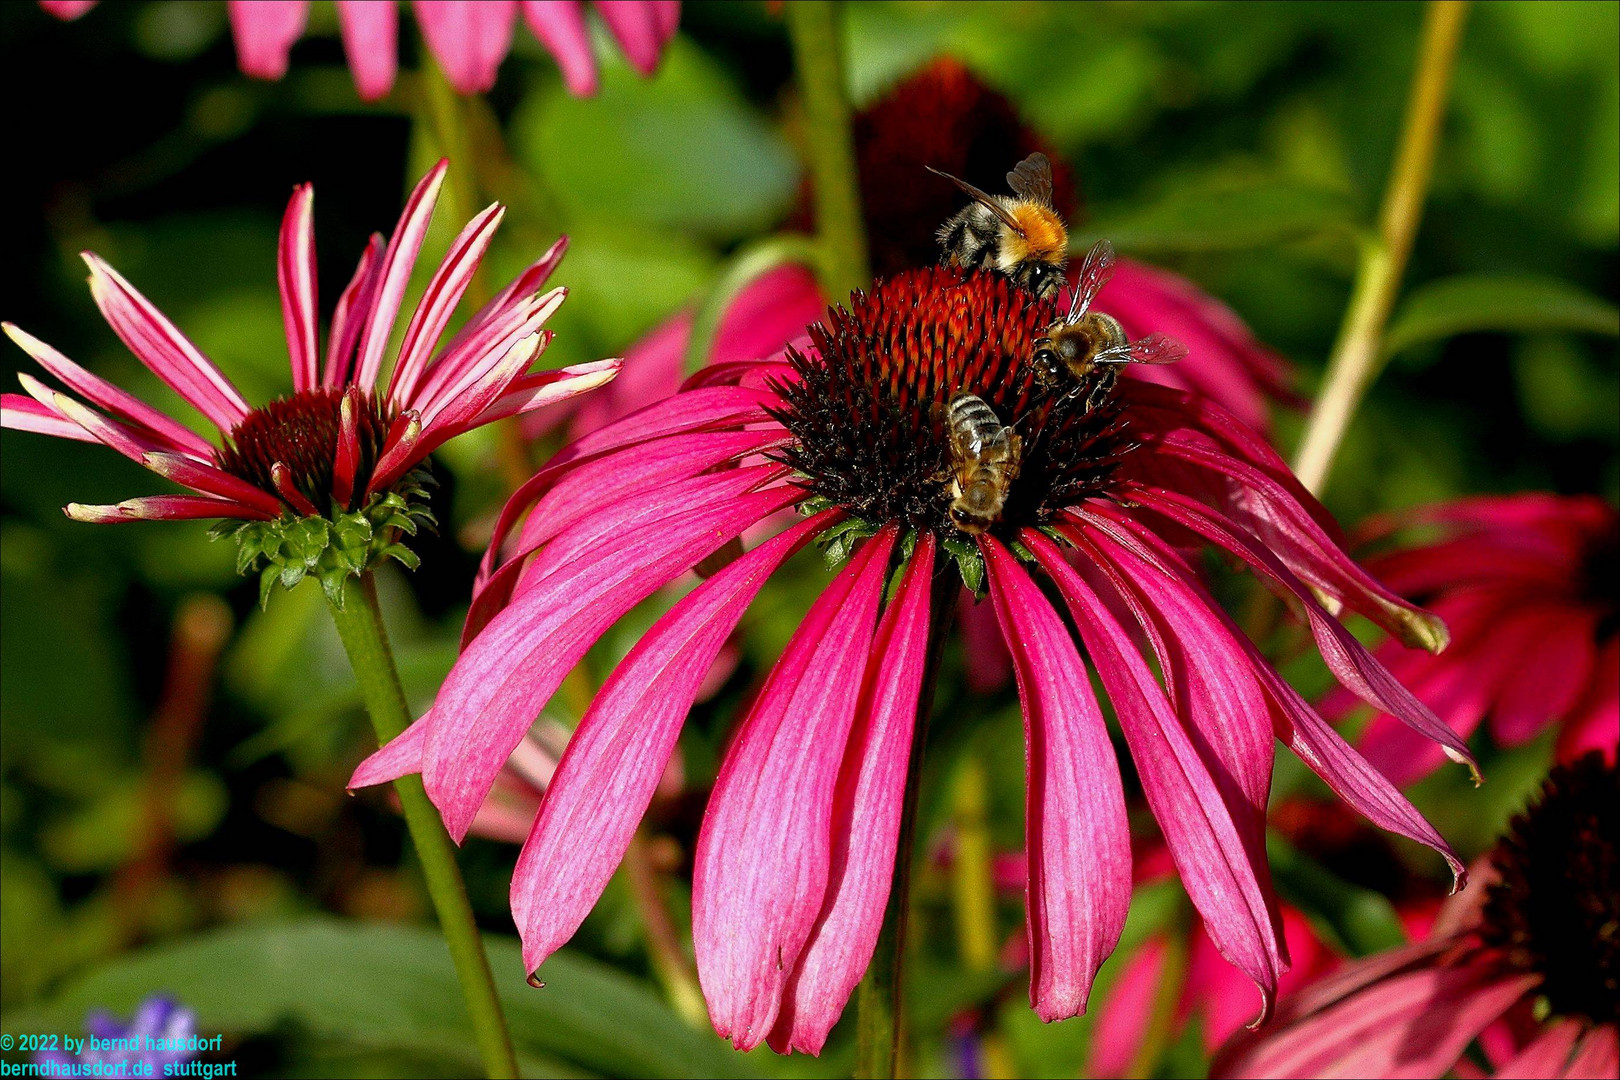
[(1020, 234), (1071, 349)]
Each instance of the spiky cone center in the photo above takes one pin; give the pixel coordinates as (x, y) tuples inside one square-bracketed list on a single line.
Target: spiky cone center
[(1554, 910), (300, 432), (291, 448), (869, 415)]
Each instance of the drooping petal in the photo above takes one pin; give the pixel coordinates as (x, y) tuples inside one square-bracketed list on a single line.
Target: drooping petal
[(469, 38), (1595, 724), (371, 44), (67, 10), (295, 275), (1349, 660), (612, 764), (765, 851), (1229, 888), (866, 818), (400, 756), (376, 322), (1557, 668), (560, 26), (1078, 839), (264, 31), (158, 344), (636, 27), (1123, 1017), (510, 670)]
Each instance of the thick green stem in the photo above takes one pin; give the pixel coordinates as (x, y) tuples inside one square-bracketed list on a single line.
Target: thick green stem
[(360, 625), (1358, 353), (818, 56), (880, 998)]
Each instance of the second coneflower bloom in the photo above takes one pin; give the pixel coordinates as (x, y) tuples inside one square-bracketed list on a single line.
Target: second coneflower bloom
[(797, 851), (325, 481)]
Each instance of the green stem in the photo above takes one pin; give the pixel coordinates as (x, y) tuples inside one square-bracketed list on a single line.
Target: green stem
[(751, 262), (816, 33), (360, 625), (880, 999), (1358, 353)]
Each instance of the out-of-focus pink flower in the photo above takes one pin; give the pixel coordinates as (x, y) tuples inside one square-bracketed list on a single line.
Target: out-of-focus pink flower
[(1524, 964), (344, 435), (796, 853), (468, 38), (1527, 584)]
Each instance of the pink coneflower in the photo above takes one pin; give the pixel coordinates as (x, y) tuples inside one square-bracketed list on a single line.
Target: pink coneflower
[(797, 849), (1525, 964), (329, 469), (1528, 584), (468, 38)]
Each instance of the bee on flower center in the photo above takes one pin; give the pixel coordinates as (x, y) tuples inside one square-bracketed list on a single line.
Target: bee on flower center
[(1072, 348), (985, 458), (1020, 234)]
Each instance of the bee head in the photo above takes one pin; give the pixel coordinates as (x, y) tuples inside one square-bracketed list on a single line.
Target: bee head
[(969, 519), (1039, 278), (1046, 366)]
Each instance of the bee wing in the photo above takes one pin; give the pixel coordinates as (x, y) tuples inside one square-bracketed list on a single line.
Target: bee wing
[(1153, 349), (983, 198), (1095, 270), (1032, 178)]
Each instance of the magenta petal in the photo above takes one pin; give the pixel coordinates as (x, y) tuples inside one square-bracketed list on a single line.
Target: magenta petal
[(765, 851), (104, 395), (1079, 842), (636, 27), (469, 38), (444, 291), (866, 818), (539, 389), (1225, 880), (376, 323), (1547, 679), (164, 508), (1123, 1017), (511, 670), (295, 274), (1349, 660), (560, 26), (1597, 1057), (400, 757), (349, 317), (22, 413), (613, 762), (67, 10), (157, 343), (265, 31), (1547, 1055), (371, 43)]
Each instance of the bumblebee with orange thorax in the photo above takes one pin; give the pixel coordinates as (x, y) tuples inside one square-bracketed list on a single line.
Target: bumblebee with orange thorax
[(1020, 234)]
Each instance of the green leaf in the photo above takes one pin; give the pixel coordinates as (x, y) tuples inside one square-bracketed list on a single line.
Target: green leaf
[(392, 986), (1512, 302), (1224, 217)]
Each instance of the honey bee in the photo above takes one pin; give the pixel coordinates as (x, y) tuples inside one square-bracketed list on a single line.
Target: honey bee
[(985, 457), (1020, 234), (1069, 350)]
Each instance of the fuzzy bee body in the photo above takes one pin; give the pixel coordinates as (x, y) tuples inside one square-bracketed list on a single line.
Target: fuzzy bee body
[(985, 458), (1020, 235), (1083, 350)]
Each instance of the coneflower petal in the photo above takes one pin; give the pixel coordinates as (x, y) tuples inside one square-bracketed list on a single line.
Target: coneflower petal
[(1221, 877), (158, 344), (866, 818), (1077, 836), (560, 26), (164, 508), (638, 30), (468, 38), (370, 44), (1597, 1055), (399, 756), (22, 413), (104, 395), (514, 666), (295, 277), (765, 850), (613, 762), (349, 317), (265, 33), (394, 274), (542, 388)]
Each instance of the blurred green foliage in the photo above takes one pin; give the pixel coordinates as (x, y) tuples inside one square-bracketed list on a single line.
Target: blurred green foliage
[(1244, 145)]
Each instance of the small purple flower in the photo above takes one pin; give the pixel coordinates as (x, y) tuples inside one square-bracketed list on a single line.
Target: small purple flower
[(159, 1025)]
